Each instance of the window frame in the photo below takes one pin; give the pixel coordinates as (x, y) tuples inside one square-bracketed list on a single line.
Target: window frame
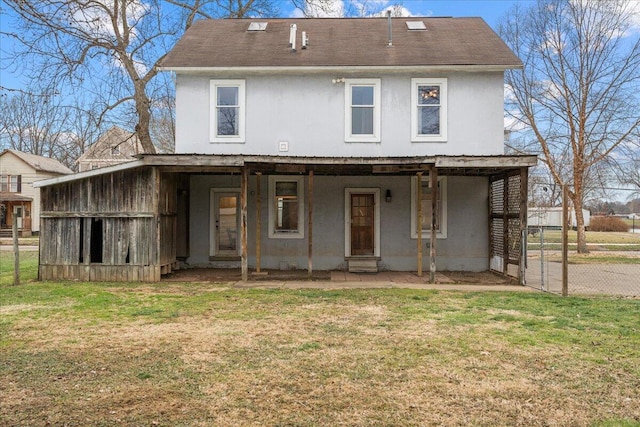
[(442, 233), (415, 109), (348, 107), (279, 234), (8, 181), (213, 116)]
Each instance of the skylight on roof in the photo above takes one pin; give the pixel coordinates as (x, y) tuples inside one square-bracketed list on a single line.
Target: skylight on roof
[(416, 25), (258, 26)]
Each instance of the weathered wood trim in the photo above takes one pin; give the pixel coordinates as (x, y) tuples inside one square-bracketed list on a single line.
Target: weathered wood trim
[(485, 161), (101, 273), (310, 231), (68, 214), (419, 218), (505, 224), (433, 176), (258, 221), (244, 266), (524, 188), (88, 174)]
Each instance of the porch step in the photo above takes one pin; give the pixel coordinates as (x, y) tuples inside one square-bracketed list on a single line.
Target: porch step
[(363, 266)]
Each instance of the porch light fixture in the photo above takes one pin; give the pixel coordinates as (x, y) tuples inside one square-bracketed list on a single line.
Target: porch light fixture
[(387, 196)]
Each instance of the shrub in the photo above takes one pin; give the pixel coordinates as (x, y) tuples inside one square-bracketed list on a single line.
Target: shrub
[(608, 223)]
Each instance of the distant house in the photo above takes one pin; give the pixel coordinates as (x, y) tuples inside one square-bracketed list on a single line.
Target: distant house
[(18, 197), (113, 147)]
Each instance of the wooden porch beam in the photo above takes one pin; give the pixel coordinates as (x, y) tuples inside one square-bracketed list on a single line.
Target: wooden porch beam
[(524, 188), (258, 222), (244, 266), (433, 176), (505, 224), (419, 221), (310, 197)]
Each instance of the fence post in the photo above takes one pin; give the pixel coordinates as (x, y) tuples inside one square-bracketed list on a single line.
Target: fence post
[(541, 258), (16, 252), (565, 240)]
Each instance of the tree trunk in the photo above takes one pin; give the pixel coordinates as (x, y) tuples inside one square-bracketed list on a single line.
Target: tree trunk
[(582, 235), (144, 118)]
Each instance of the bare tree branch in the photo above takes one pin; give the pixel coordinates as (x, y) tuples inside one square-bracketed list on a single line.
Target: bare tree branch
[(578, 95)]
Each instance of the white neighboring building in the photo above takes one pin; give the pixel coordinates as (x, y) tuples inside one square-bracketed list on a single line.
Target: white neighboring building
[(552, 217), (18, 172)]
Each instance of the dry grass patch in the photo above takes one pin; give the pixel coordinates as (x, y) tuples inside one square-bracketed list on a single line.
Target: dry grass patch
[(139, 355)]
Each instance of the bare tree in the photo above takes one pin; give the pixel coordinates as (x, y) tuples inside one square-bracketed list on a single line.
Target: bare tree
[(110, 49), (343, 8), (45, 124), (577, 97)]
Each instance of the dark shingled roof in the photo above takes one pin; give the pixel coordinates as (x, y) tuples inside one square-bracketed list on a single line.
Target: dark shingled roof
[(341, 42)]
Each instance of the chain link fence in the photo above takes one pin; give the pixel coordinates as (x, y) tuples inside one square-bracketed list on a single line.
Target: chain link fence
[(610, 268)]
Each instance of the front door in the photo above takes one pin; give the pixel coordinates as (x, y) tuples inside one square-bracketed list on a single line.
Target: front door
[(226, 224), (362, 224)]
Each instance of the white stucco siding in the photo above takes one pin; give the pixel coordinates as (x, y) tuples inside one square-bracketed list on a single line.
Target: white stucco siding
[(308, 112), (465, 248)]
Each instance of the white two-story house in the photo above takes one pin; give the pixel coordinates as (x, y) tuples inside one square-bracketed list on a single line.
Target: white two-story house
[(361, 144)]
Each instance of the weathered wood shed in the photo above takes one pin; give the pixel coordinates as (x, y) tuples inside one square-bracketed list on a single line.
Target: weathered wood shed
[(118, 226)]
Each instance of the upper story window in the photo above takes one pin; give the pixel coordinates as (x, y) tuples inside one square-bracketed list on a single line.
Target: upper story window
[(429, 110), (115, 150), (362, 110), (227, 110), (286, 207), (427, 193), (10, 183)]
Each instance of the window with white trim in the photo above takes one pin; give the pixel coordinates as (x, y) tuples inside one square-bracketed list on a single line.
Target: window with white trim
[(10, 183), (227, 110), (427, 194), (286, 207), (362, 110), (429, 110)]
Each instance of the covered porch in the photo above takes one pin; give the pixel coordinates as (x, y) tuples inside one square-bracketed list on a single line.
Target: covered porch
[(145, 219), (15, 206)]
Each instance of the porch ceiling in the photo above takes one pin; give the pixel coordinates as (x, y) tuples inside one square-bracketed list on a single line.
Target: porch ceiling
[(446, 165)]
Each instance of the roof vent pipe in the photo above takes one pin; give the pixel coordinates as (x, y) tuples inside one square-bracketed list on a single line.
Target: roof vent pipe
[(292, 37), (390, 35)]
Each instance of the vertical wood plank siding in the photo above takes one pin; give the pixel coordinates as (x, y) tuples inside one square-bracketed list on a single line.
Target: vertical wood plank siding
[(138, 221)]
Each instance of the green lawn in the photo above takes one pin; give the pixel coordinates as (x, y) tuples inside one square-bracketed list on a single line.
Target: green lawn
[(174, 354), (593, 237), (28, 266)]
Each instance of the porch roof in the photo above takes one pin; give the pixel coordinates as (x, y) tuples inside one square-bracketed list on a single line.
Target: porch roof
[(268, 164), (447, 165), (14, 197)]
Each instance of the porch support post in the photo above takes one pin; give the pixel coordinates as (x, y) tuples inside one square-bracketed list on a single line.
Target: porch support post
[(243, 224), (419, 221), (505, 224), (524, 186), (310, 197), (258, 221), (433, 176)]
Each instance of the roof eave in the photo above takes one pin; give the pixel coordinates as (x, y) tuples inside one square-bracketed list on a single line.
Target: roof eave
[(340, 68), (87, 174)]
